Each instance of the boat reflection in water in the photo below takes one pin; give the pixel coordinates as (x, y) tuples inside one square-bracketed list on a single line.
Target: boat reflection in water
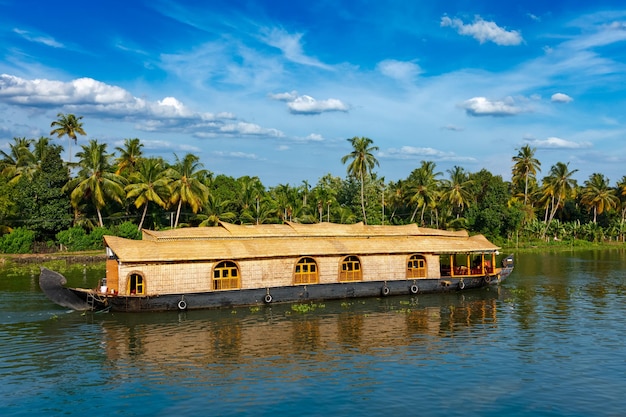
[(246, 335)]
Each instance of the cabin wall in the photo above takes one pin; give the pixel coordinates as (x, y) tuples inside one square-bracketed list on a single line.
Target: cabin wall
[(168, 278), (266, 272), (197, 276), (112, 275), (433, 267)]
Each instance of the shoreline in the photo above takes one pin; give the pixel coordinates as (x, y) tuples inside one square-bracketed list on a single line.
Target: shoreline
[(36, 258)]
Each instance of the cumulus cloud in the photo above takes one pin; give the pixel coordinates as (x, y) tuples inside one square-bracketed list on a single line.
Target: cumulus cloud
[(481, 106), (42, 92), (557, 143), (303, 104), (561, 98), (484, 31), (88, 96), (399, 70)]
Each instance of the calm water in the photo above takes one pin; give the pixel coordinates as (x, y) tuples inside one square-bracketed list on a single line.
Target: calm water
[(549, 342)]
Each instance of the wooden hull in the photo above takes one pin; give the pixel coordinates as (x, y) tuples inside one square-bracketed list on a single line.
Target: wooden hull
[(84, 299)]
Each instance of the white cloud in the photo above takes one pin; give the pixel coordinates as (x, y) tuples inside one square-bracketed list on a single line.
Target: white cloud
[(484, 31), (285, 96), (309, 105), (235, 155), (557, 143), (88, 96), (399, 70), (533, 17), (304, 104), (42, 92), (46, 40), (411, 152), (561, 98), (249, 129), (315, 137), (481, 106), (291, 47)]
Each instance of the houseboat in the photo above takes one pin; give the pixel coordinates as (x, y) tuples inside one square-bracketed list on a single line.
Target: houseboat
[(243, 265)]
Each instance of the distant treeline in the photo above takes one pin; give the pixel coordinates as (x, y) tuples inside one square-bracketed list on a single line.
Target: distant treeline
[(47, 204)]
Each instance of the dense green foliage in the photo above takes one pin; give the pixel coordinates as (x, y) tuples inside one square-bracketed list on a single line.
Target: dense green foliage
[(46, 203), (20, 240)]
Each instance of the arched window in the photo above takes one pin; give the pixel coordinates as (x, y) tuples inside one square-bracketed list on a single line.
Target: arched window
[(226, 276), (305, 272), (136, 285), (416, 267), (350, 269)]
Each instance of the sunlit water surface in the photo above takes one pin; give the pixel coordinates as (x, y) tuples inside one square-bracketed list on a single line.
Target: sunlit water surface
[(548, 342)]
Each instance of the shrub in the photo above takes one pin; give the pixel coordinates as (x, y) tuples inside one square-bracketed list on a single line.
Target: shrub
[(20, 240), (73, 239), (128, 230)]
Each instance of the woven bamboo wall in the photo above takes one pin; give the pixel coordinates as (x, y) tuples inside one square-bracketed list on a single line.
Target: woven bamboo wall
[(169, 278), (262, 273)]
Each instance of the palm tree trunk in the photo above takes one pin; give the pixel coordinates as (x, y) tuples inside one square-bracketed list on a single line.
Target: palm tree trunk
[(100, 217), (526, 188), (143, 216), (552, 213), (180, 203), (363, 198), (415, 212)]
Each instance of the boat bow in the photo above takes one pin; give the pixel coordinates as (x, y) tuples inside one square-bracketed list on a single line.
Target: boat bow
[(52, 284)]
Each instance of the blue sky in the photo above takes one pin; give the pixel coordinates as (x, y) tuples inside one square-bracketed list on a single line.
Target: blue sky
[(274, 88)]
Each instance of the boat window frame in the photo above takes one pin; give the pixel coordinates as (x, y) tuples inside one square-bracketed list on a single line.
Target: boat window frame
[(347, 270), (139, 287), (223, 279), (419, 271), (312, 277)]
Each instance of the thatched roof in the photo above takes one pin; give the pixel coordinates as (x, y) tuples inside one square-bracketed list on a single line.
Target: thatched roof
[(229, 230), (234, 242)]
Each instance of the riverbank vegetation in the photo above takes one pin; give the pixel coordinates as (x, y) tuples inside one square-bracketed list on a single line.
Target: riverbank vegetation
[(48, 205)]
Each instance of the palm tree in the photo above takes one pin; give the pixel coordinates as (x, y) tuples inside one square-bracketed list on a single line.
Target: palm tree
[(287, 200), (306, 187), (621, 192), (187, 185), (397, 197), (149, 183), (424, 187), (363, 161), (130, 155), (19, 161), (96, 181), (216, 211), (526, 167), (456, 189), (250, 193), (68, 125), (598, 195), (41, 148), (558, 185)]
